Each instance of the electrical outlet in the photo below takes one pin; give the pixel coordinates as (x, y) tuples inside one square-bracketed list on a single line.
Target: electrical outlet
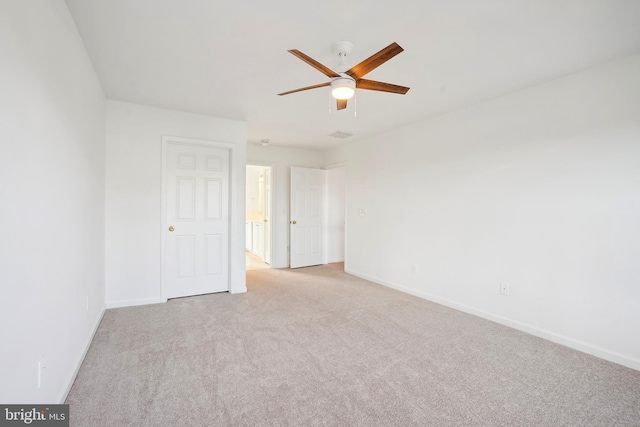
[(504, 289), (363, 212), (414, 268), (42, 366)]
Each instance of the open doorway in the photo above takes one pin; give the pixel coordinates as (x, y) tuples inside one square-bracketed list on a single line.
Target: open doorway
[(258, 217)]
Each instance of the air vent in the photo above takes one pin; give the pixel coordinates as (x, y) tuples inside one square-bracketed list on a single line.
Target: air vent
[(341, 135)]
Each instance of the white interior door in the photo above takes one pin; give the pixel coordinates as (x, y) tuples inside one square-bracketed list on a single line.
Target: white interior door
[(197, 218), (306, 220)]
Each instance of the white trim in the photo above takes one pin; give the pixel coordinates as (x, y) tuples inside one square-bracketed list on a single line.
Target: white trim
[(134, 302), (236, 290), (166, 140), (346, 219), (582, 346), (273, 205), (66, 391), (325, 219)]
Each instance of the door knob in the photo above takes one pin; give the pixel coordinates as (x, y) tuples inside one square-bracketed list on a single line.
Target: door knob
[(293, 222), (171, 228), (265, 220)]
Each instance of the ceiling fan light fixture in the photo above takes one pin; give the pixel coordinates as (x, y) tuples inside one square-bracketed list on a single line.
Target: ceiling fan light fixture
[(343, 88)]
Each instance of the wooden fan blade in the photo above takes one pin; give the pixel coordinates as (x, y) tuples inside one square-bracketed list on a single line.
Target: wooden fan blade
[(381, 86), (305, 88), (341, 103), (315, 64), (374, 61)]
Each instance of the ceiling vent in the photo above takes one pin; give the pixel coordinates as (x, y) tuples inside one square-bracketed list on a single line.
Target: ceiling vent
[(340, 134)]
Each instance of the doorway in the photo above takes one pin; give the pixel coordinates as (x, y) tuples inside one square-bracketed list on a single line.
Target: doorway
[(318, 216), (195, 214), (259, 218)]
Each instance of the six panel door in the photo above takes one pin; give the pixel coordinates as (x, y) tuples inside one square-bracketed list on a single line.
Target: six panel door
[(197, 209), (306, 221)]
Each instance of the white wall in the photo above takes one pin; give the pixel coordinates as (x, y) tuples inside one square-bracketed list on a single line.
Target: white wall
[(335, 212), (540, 188), (282, 158), (52, 114), (133, 195)]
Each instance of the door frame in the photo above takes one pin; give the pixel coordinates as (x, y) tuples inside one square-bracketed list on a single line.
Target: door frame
[(273, 204), (166, 140)]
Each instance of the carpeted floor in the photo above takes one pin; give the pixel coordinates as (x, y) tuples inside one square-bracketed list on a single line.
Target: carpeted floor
[(316, 346), (254, 262)]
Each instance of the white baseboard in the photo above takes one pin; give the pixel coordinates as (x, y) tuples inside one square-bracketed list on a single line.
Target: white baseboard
[(134, 302), (84, 354), (582, 346)]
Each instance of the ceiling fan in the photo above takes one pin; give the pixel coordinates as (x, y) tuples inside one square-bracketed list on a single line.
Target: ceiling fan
[(344, 82)]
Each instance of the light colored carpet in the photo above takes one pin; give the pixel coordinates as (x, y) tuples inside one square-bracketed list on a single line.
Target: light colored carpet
[(316, 346), (254, 262)]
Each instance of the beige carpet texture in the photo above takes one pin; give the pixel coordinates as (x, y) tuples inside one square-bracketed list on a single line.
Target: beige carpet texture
[(318, 347), (254, 262)]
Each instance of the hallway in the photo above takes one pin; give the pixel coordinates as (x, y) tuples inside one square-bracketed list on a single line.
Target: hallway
[(254, 262)]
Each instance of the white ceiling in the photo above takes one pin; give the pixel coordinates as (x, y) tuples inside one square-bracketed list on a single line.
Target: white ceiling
[(229, 58)]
